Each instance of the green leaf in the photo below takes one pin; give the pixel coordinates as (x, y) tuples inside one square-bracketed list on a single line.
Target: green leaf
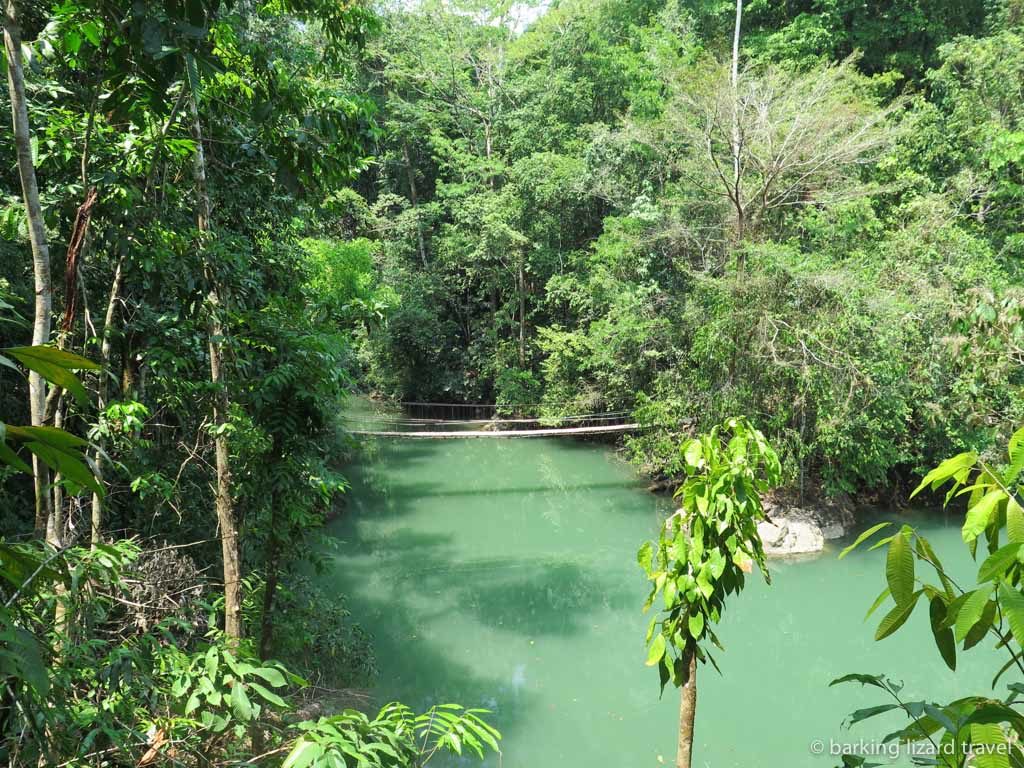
[(240, 705), (271, 675), (996, 564), (862, 538), (943, 635), (693, 453), (268, 695), (302, 754), (645, 556), (897, 617), (11, 459), (878, 601), (979, 514), (971, 610), (1011, 602), (52, 436), (990, 735), (55, 366), (1014, 521), (53, 356), (656, 651), (7, 363), (69, 466), (869, 712), (946, 470), (899, 568), (979, 631), (212, 660), (696, 624), (878, 681)]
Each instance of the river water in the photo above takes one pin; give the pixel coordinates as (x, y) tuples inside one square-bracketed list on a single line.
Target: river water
[(502, 574)]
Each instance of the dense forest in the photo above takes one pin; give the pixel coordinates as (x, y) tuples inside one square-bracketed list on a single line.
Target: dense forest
[(221, 219)]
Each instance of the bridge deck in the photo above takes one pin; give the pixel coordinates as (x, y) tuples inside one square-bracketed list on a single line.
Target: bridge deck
[(551, 432)]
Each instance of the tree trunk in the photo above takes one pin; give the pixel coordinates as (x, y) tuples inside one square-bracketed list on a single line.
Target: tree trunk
[(735, 79), (411, 172), (37, 238), (230, 545), (687, 710), (522, 316), (103, 395)]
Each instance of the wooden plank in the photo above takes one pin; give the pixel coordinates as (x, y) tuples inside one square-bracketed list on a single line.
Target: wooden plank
[(607, 429)]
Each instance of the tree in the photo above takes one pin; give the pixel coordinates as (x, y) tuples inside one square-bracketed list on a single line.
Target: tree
[(977, 728), (790, 138), (37, 238), (702, 555)]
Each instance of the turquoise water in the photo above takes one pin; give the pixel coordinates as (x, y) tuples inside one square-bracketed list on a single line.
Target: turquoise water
[(502, 574)]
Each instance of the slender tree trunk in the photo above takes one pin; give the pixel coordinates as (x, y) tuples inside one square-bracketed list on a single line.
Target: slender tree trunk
[(522, 316), (411, 172), (37, 238), (736, 138), (230, 545), (687, 710), (103, 396), (488, 149)]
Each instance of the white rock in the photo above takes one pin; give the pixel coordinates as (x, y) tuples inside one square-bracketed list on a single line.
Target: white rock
[(783, 536)]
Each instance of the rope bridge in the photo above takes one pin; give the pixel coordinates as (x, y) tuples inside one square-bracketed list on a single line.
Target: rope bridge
[(441, 421)]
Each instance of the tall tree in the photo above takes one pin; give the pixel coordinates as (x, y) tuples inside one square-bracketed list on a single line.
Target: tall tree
[(40, 246), (231, 550)]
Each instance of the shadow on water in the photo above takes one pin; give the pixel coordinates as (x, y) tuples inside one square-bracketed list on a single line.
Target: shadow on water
[(412, 593), (423, 490), (548, 599), (501, 574)]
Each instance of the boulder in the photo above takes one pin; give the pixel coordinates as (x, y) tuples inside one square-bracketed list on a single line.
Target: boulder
[(795, 530), (783, 536)]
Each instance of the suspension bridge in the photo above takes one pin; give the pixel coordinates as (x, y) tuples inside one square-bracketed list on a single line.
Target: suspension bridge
[(450, 421)]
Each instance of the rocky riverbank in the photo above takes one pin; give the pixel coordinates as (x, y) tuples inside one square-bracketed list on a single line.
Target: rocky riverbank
[(791, 529)]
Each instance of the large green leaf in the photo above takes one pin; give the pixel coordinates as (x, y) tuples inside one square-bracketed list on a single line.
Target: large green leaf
[(897, 617), (946, 470), (656, 651), (1016, 452), (971, 610), (240, 705), (944, 639), (695, 623), (56, 366), (69, 465), (979, 514), (998, 563), (899, 568), (51, 436), (21, 655), (991, 741), (1011, 603), (303, 753), (1014, 521)]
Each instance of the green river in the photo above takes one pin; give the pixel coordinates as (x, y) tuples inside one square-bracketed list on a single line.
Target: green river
[(502, 574)]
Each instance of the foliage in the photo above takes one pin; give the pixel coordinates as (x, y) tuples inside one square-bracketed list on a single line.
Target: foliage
[(707, 546), (560, 206), (994, 608), (394, 737)]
